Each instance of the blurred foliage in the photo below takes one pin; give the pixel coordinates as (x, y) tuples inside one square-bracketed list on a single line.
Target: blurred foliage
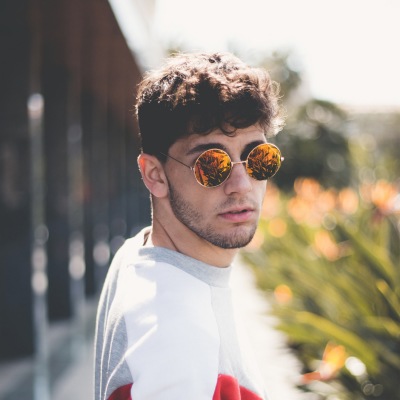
[(283, 69), (314, 145), (380, 130), (328, 259), (327, 252), (313, 141)]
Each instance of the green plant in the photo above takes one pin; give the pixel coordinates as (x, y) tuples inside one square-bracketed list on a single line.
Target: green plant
[(329, 261)]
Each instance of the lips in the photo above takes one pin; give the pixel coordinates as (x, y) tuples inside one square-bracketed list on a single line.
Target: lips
[(238, 214)]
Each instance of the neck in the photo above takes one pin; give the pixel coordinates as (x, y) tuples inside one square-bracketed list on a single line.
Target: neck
[(179, 238)]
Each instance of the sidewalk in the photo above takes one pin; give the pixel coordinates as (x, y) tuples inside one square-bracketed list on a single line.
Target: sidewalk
[(280, 370), (69, 372), (77, 381)]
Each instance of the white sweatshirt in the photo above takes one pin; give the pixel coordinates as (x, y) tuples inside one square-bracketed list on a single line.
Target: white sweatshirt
[(166, 330)]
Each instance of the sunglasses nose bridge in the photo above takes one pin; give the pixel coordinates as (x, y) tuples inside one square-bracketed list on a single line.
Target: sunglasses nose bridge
[(244, 163), (238, 181), (233, 163), (238, 162)]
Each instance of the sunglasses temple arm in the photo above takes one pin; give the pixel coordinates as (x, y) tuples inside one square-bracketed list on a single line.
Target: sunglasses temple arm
[(180, 162)]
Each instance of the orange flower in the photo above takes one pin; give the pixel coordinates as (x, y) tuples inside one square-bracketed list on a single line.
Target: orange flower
[(348, 201), (332, 362), (308, 188), (298, 209), (327, 201), (311, 203), (277, 227), (326, 246), (283, 294), (383, 195)]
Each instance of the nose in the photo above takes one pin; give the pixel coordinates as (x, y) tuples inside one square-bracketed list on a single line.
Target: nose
[(239, 181)]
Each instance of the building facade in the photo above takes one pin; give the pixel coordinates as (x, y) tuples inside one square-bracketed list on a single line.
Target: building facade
[(70, 191)]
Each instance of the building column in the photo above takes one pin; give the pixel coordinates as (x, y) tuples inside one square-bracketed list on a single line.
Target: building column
[(16, 327)]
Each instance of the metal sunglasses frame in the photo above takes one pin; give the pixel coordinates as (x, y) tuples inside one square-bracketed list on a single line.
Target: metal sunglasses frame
[(233, 163)]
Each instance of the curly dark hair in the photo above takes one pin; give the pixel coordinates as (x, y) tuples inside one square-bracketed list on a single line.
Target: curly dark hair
[(197, 93)]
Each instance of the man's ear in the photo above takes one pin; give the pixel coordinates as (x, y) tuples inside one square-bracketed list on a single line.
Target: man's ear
[(153, 175)]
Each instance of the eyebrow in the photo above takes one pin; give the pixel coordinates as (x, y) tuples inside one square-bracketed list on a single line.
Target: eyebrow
[(200, 148), (206, 146)]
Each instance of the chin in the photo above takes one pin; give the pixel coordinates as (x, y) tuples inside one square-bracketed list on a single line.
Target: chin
[(232, 240)]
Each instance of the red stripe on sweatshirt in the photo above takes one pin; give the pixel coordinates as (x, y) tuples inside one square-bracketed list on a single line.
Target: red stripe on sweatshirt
[(122, 393), (228, 388)]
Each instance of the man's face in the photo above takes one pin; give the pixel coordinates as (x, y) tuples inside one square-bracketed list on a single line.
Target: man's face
[(225, 216)]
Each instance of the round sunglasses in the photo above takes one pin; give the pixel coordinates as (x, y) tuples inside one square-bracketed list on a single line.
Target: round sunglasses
[(213, 167)]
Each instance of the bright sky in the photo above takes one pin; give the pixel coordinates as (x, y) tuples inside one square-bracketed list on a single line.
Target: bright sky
[(349, 50)]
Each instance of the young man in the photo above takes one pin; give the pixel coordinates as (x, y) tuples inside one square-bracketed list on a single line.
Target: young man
[(165, 324)]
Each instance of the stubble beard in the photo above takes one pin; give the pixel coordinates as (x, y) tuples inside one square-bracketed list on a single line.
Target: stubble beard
[(194, 220)]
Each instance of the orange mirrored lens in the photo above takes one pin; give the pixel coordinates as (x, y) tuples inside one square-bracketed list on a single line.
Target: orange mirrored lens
[(263, 161), (212, 168)]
